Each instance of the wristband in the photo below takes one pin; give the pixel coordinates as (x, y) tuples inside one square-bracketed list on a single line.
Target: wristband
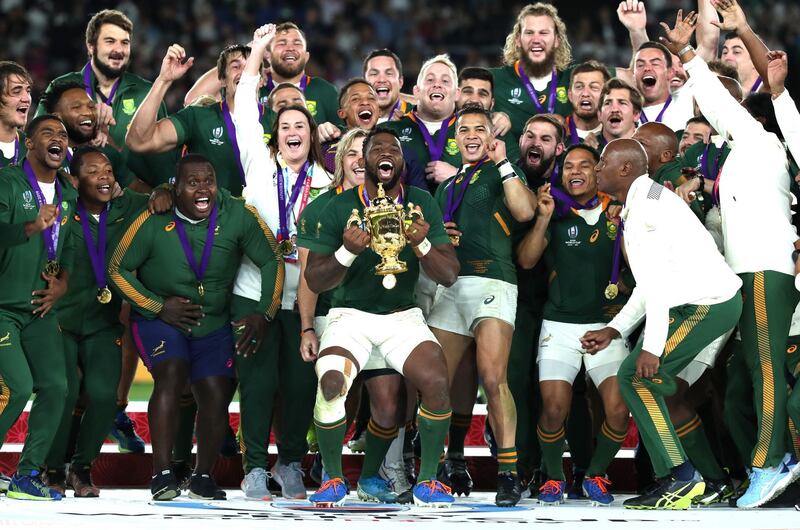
[(306, 331), (685, 49), (344, 256), (424, 247)]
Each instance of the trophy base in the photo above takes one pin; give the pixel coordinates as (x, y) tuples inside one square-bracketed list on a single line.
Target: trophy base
[(389, 281)]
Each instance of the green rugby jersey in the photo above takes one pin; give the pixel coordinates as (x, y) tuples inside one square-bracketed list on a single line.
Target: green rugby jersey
[(154, 169), (307, 233), (322, 101), (579, 258), (79, 312), (202, 130), (361, 288), (486, 224), (21, 152), (151, 247), (22, 260)]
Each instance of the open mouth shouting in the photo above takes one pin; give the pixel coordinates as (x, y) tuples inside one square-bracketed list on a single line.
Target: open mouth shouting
[(385, 169), (534, 156), (365, 117), (649, 80), (294, 144), (22, 113), (615, 120), (383, 91), (55, 152), (586, 105), (202, 203), (436, 97), (472, 148)]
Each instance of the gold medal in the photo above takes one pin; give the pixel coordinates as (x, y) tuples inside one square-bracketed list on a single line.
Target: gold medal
[(455, 240), (104, 295), (200, 289), (52, 268), (611, 291), (286, 247)]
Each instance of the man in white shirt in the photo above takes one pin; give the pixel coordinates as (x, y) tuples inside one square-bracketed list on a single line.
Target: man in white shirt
[(663, 239), (758, 238)]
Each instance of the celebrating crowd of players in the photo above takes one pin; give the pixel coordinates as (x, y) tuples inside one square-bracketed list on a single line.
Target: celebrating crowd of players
[(579, 236)]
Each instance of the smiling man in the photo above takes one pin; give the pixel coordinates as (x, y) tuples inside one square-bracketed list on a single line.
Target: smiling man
[(177, 272), (15, 101), (368, 319), (37, 203), (485, 198), (383, 69), (427, 134), (118, 94)]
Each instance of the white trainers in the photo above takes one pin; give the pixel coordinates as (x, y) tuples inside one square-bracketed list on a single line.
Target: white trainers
[(290, 478), (254, 484)]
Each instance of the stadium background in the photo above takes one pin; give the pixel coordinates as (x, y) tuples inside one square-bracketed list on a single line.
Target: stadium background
[(48, 36)]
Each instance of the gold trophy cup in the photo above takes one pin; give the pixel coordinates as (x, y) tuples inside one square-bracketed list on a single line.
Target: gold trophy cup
[(386, 221)]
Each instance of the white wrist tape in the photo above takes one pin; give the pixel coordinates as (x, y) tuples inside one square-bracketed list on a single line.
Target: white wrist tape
[(424, 247), (344, 256)]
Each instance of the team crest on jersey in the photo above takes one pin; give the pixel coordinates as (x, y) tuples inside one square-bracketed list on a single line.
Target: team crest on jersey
[(64, 206), (611, 230), (216, 136), (452, 147), (27, 200), (561, 94), (312, 107), (572, 234), (216, 230), (267, 137), (515, 94), (170, 226), (313, 192), (594, 236), (405, 135), (128, 106)]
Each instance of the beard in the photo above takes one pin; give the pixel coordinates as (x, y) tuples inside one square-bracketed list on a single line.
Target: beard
[(287, 72), (78, 136), (107, 70), (372, 176), (541, 69), (535, 174)]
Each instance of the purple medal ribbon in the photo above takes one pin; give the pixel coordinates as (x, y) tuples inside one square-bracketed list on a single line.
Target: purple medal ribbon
[(555, 174), (89, 86), (231, 130), (199, 271), (285, 207), (643, 116), (756, 85), (97, 253), (574, 137), (16, 152), (551, 100), (454, 199), (617, 252), (396, 106), (51, 233), (565, 202), (435, 147), (303, 83)]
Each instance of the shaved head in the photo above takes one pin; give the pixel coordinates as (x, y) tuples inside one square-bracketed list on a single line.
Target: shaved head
[(659, 142), (622, 161), (733, 86)]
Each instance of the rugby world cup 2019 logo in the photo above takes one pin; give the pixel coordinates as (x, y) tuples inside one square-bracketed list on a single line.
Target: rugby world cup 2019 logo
[(572, 234), (216, 136), (27, 200), (515, 94), (405, 135)]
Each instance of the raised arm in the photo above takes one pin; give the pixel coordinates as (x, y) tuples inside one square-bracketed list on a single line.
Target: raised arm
[(632, 15), (209, 84), (734, 19), (707, 31), (146, 133), (785, 109)]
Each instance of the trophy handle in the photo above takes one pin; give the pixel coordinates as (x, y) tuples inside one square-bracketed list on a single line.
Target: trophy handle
[(354, 219), (413, 214)]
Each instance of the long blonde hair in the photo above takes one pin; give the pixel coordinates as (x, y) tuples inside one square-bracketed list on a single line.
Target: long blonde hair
[(563, 53), (342, 146)]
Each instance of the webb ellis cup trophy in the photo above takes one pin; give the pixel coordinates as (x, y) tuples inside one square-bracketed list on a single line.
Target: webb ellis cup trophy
[(386, 220)]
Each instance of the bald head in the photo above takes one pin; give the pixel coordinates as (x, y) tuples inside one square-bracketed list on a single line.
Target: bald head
[(622, 161), (659, 142), (733, 86)]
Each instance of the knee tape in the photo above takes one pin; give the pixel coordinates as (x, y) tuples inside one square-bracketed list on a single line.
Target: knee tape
[(333, 410)]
